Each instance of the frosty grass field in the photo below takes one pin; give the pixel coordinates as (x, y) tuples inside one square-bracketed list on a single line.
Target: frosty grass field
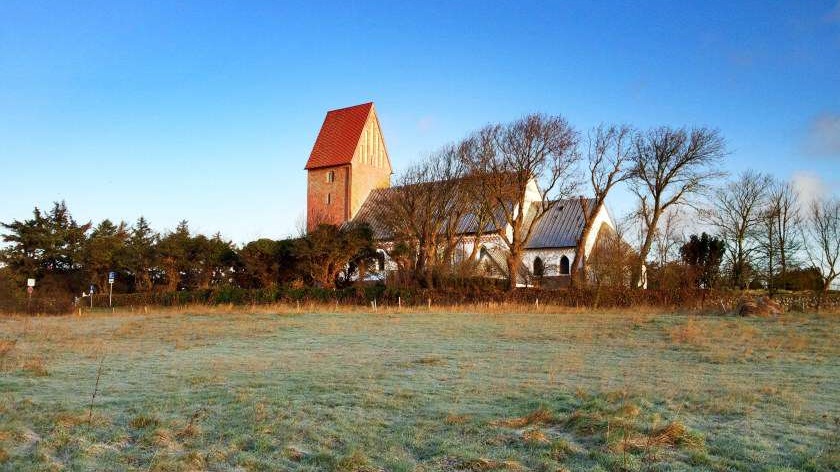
[(419, 391)]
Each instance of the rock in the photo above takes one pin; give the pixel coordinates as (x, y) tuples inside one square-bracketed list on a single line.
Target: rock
[(759, 306)]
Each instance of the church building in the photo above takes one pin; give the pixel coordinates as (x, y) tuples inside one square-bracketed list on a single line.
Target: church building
[(349, 175)]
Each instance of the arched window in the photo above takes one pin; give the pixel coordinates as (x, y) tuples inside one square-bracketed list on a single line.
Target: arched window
[(564, 265), (380, 260), (539, 267), (331, 176)]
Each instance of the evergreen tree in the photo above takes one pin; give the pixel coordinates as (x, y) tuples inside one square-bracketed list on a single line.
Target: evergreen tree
[(105, 251), (173, 250), (48, 246), (703, 255), (142, 255)]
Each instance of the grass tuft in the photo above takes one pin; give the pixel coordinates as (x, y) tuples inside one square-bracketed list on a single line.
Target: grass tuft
[(356, 461), (539, 416), (144, 421), (36, 366), (482, 465), (453, 419), (429, 361), (165, 439), (535, 436)]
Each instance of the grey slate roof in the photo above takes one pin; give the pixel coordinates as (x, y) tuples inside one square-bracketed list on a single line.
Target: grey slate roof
[(559, 228), (372, 211)]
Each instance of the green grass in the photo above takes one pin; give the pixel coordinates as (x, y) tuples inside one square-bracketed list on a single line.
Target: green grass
[(422, 392)]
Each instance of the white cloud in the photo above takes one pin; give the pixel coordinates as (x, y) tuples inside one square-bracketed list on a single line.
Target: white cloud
[(823, 138), (809, 186), (425, 124)]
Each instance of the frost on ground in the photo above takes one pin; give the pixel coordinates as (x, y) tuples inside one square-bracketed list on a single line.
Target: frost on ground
[(420, 392)]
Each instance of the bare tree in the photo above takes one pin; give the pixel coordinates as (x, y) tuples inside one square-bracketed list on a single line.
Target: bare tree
[(670, 237), (477, 187), (423, 210), (612, 259), (668, 166), (786, 206), (822, 239), (737, 212), (530, 169), (608, 154), (450, 169), (778, 238), (768, 244)]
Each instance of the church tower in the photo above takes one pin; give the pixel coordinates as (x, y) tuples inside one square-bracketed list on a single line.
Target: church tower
[(348, 161)]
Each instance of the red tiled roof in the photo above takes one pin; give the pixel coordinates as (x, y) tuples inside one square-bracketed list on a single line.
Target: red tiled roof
[(339, 136)]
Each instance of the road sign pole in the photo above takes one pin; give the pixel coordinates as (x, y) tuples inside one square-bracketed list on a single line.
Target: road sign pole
[(111, 277), (30, 287)]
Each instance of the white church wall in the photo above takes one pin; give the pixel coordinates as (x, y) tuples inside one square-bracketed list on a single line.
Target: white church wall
[(603, 217), (550, 257)]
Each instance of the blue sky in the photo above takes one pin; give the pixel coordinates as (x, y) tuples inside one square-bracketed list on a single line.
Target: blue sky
[(207, 111)]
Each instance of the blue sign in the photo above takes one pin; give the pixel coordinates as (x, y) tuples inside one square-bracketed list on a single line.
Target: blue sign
[(91, 289), (111, 277)]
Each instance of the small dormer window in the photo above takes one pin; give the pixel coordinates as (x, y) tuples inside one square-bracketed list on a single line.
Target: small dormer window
[(331, 176)]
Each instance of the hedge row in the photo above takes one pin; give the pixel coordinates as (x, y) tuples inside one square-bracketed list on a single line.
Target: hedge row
[(391, 296)]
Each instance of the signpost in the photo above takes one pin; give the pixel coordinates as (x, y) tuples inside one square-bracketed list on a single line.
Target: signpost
[(30, 287), (111, 277), (91, 296)]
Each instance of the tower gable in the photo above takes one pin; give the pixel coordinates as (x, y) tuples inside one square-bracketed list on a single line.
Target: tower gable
[(370, 166), (370, 147)]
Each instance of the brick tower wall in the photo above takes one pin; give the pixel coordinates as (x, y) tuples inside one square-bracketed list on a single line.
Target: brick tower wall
[(327, 202)]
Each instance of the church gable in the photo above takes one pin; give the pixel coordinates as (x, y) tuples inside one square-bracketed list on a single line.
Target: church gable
[(370, 149), (370, 167)]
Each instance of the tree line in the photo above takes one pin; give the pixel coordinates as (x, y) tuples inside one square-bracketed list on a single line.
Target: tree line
[(760, 232), (67, 257)]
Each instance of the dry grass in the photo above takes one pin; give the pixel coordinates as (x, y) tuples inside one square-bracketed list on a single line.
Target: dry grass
[(538, 416), (453, 419), (482, 464), (630, 314), (535, 436), (144, 421)]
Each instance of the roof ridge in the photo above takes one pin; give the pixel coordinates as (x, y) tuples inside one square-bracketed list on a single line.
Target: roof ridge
[(351, 106)]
